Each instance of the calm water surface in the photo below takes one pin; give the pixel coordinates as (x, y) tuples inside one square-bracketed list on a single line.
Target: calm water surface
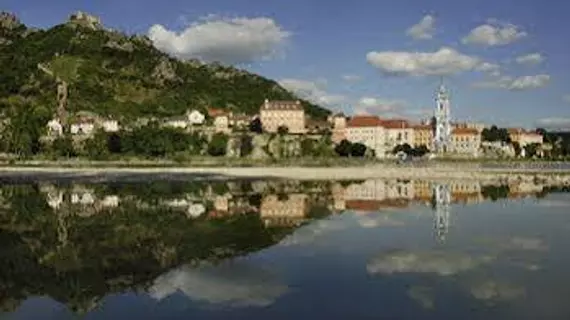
[(163, 249)]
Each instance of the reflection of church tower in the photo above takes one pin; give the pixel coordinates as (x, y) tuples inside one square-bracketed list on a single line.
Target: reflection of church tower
[(442, 202)]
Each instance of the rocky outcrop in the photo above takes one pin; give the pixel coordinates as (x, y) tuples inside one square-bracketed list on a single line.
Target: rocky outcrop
[(9, 21), (164, 71)]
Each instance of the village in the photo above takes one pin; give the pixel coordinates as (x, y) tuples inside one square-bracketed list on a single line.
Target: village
[(382, 137)]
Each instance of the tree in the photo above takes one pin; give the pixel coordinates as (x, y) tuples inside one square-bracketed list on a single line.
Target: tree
[(358, 150), (531, 150), (517, 148), (344, 148), (256, 126), (63, 147), (405, 148), (218, 145), (97, 146), (245, 145), (308, 147), (282, 130)]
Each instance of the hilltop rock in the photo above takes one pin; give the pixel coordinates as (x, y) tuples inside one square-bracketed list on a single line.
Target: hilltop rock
[(9, 21)]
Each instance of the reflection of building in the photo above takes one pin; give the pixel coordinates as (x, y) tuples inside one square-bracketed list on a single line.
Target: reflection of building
[(284, 209), (465, 191), (442, 201)]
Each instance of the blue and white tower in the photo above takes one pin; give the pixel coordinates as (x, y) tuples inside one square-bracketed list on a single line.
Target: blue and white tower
[(442, 136)]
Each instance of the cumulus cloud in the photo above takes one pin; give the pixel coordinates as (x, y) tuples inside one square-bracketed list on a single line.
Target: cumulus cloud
[(314, 91), (516, 84), (529, 59), (442, 263), (423, 30), (445, 61), (233, 284), (371, 105), (553, 123), (490, 68), (494, 33), (227, 40), (351, 77)]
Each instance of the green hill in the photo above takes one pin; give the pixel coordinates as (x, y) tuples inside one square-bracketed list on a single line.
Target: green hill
[(111, 73)]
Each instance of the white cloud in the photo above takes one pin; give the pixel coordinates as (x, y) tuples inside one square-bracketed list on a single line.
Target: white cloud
[(314, 91), (442, 263), (424, 29), (491, 68), (312, 232), (233, 284), (351, 78), (371, 105), (445, 61), (494, 33), (553, 123), (227, 40), (516, 84), (529, 59)]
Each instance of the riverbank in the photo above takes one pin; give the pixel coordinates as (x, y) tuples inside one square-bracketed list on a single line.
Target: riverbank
[(433, 171)]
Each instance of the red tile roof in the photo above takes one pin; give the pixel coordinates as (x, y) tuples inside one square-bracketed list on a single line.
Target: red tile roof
[(465, 131), (395, 124), (213, 112), (364, 121)]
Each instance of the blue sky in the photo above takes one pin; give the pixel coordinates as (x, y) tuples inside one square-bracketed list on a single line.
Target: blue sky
[(361, 56)]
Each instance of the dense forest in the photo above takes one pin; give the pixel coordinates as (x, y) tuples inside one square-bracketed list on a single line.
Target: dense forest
[(111, 73)]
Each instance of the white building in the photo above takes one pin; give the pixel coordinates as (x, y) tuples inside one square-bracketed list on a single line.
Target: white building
[(54, 127), (369, 131), (85, 127), (398, 132), (195, 117), (110, 125)]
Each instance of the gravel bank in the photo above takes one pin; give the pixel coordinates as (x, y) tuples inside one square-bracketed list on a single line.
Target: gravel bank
[(436, 172)]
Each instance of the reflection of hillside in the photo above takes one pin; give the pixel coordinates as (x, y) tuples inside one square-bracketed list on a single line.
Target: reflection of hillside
[(77, 258)]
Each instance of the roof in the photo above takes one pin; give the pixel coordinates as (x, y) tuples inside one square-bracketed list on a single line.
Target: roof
[(422, 127), (395, 124), (364, 121), (465, 131), (282, 105), (521, 131), (214, 112)]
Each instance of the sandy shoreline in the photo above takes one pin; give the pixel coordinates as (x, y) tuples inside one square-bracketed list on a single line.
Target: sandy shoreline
[(321, 173)]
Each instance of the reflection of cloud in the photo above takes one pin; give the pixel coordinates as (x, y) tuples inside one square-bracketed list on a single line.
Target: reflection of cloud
[(234, 284), (423, 295), (439, 262), (553, 203), (492, 291), (378, 220), (517, 243), (309, 233)]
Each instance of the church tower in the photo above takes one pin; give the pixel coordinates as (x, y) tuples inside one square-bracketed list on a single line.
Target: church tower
[(442, 136)]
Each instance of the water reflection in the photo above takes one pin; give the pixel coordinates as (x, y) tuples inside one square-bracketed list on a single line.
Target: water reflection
[(237, 244)]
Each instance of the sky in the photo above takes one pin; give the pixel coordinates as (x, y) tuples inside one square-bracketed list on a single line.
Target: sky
[(505, 62)]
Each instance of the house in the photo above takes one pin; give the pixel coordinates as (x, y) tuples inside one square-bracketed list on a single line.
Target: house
[(288, 114), (83, 127), (369, 131), (222, 123), (109, 125), (423, 135), (398, 132), (54, 128), (524, 137), (195, 117), (239, 121), (177, 122), (466, 141), (338, 122)]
